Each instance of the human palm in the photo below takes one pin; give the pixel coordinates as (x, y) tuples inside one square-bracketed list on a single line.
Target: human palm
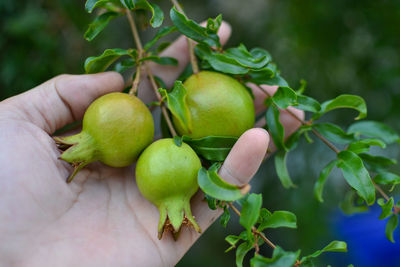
[(100, 219)]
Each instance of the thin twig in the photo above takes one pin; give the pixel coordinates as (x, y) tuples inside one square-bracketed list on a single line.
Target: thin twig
[(149, 72), (193, 59), (136, 81), (253, 229), (381, 191), (134, 31)]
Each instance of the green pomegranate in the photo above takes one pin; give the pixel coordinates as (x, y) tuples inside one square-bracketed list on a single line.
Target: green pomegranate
[(219, 105), (116, 128), (166, 175)]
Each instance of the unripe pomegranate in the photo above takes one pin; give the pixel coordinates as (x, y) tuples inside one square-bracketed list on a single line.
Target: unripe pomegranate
[(116, 128), (166, 175), (219, 105)]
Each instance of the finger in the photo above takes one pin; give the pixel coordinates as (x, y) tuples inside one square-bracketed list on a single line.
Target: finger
[(62, 99), (178, 50), (245, 157), (260, 96)]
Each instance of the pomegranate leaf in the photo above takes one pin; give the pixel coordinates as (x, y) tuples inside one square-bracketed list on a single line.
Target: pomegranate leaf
[(193, 30), (357, 175), (98, 24), (319, 185), (213, 185), (157, 15), (213, 148), (375, 129), (344, 101), (161, 33), (109, 56), (176, 102)]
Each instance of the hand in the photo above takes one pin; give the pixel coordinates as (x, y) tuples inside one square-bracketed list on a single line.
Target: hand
[(100, 219)]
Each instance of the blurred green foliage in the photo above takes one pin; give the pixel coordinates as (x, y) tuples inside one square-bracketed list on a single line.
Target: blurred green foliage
[(337, 46)]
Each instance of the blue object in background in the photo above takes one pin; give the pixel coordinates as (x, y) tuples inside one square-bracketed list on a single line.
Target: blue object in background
[(366, 240)]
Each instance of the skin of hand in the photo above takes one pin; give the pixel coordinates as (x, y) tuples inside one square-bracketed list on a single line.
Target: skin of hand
[(100, 219)]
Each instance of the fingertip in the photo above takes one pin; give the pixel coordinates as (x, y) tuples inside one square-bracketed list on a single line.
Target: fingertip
[(246, 156), (224, 32), (111, 80)]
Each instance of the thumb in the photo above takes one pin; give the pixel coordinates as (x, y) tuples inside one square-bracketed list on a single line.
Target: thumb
[(62, 99)]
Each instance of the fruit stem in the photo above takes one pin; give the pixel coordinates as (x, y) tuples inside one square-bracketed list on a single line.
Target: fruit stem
[(193, 59), (323, 139), (149, 72), (136, 81)]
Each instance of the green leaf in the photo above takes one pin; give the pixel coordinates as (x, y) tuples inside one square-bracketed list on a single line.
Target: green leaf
[(212, 202), (250, 210), (348, 206), (319, 185), (92, 4), (124, 65), (356, 175), (284, 97), (344, 101), (375, 129), (280, 258), (98, 24), (161, 60), (157, 15), (307, 103), (232, 240), (386, 207), (280, 218), (293, 140), (213, 148), (224, 219), (214, 186), (391, 225), (334, 133), (241, 252), (281, 169), (363, 145), (264, 216), (267, 76), (214, 24), (257, 58), (226, 64), (376, 163), (334, 246), (176, 102), (275, 127), (129, 4), (160, 33), (387, 178), (102, 62), (193, 30)]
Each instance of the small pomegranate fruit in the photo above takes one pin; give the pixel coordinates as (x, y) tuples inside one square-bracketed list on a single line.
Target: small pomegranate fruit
[(116, 128), (166, 175), (219, 105)]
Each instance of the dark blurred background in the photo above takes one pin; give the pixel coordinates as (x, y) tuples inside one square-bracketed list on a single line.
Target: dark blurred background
[(338, 46)]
